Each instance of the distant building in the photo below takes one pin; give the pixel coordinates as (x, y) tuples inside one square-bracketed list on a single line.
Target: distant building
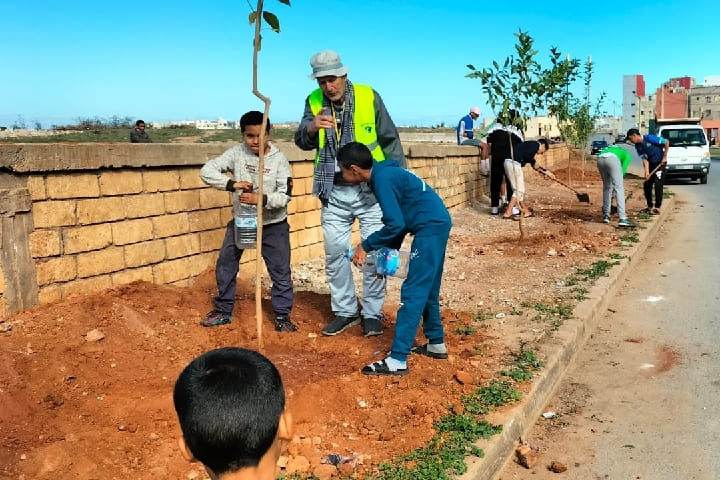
[(633, 87)]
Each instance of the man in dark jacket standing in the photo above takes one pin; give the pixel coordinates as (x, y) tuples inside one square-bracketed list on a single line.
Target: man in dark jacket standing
[(409, 205), (139, 135)]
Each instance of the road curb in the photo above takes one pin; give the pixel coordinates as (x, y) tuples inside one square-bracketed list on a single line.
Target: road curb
[(561, 350)]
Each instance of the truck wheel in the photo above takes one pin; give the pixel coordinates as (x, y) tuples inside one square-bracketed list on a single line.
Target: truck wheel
[(703, 179)]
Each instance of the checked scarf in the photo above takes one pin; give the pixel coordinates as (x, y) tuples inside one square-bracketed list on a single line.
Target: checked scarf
[(325, 168)]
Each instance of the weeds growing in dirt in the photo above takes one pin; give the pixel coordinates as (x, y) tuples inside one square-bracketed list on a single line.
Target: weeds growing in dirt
[(580, 293), (643, 216), (597, 269), (630, 237), (497, 394), (522, 366), (465, 330), (616, 256)]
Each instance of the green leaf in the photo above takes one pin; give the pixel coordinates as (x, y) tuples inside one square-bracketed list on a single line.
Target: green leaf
[(272, 20), (285, 2), (252, 17), (470, 66)]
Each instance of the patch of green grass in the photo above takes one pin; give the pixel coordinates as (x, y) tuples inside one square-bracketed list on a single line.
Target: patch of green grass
[(597, 269), (498, 393), (442, 456), (580, 293), (631, 237), (522, 366), (616, 256), (482, 315), (668, 194), (465, 330), (643, 216)]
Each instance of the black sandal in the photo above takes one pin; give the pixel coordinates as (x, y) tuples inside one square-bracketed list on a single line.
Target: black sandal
[(423, 350), (381, 368)]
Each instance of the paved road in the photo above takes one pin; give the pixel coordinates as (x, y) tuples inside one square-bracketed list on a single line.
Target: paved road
[(642, 399)]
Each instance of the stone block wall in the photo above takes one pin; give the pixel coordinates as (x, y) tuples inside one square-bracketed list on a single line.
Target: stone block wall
[(85, 217)]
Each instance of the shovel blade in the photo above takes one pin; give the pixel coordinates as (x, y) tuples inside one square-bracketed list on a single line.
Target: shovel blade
[(583, 197)]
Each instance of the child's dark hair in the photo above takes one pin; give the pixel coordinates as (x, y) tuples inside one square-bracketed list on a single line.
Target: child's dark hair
[(139, 122), (229, 403), (253, 117), (355, 153), (544, 142)]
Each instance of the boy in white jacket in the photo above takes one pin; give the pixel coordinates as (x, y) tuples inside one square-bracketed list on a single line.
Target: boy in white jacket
[(242, 161)]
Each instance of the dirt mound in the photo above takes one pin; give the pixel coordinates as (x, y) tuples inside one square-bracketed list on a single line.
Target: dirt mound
[(74, 408)]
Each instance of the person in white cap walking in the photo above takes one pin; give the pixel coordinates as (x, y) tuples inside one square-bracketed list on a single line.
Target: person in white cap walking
[(465, 134), (337, 113)]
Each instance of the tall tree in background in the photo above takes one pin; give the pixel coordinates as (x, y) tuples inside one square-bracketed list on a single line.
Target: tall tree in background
[(257, 17)]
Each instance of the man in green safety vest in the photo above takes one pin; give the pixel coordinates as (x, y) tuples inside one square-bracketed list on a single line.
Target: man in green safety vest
[(337, 113)]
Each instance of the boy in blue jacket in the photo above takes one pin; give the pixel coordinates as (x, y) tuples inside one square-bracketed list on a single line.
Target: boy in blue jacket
[(653, 150), (408, 205)]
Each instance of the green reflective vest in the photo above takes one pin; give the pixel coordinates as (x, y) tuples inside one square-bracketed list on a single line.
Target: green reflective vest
[(363, 120)]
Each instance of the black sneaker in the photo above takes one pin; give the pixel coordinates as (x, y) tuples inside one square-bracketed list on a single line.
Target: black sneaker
[(340, 324), (216, 318), (283, 323), (372, 326)]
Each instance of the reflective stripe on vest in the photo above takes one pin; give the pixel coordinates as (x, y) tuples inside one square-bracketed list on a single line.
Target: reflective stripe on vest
[(363, 120)]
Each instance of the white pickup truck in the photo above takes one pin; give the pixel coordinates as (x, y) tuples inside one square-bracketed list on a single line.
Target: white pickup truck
[(689, 153)]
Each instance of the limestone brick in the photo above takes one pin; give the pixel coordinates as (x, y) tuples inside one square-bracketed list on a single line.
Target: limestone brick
[(100, 210), (45, 243), (132, 275), (161, 180), (2, 281), (121, 182), (291, 207), (211, 197), (132, 231), (144, 205), (201, 220), (49, 294), (313, 218), (56, 269), (83, 286), (101, 261), (182, 201), (170, 225), (72, 185), (190, 178), (309, 236), (296, 221), (48, 214), (211, 240), (294, 239), (171, 270), (36, 187), (145, 253), (302, 169), (182, 246), (85, 239), (201, 262), (317, 250)]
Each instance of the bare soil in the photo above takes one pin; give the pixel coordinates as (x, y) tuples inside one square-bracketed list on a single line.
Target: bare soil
[(75, 408)]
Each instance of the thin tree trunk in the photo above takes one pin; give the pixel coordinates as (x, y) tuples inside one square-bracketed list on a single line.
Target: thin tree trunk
[(261, 170)]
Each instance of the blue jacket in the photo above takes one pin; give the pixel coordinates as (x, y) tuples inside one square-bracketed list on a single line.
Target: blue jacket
[(468, 122), (409, 205), (651, 148)]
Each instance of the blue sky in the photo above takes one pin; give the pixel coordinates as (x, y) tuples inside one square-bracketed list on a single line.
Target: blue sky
[(163, 60)]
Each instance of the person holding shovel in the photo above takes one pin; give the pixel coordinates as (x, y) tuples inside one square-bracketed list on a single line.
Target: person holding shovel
[(523, 154), (653, 150), (612, 163)]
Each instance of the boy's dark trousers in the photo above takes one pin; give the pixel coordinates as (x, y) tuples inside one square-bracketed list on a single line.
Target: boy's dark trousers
[(275, 252), (497, 176), (657, 183)]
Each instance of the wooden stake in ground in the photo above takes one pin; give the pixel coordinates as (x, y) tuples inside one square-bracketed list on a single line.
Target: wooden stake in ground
[(261, 170)]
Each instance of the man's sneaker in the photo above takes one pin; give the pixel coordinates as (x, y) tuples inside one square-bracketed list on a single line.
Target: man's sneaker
[(216, 318), (515, 211), (606, 218), (372, 326), (626, 222), (283, 323), (494, 210), (340, 324)]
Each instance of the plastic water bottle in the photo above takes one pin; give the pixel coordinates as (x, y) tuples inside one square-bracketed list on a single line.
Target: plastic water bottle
[(245, 221), (393, 262)]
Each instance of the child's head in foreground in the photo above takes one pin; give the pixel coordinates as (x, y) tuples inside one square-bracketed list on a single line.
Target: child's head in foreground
[(231, 406)]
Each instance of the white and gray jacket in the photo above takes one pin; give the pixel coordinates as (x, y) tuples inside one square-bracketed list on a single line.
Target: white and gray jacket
[(277, 178)]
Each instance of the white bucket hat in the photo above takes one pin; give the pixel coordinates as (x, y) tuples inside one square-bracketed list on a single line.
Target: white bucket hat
[(327, 64)]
